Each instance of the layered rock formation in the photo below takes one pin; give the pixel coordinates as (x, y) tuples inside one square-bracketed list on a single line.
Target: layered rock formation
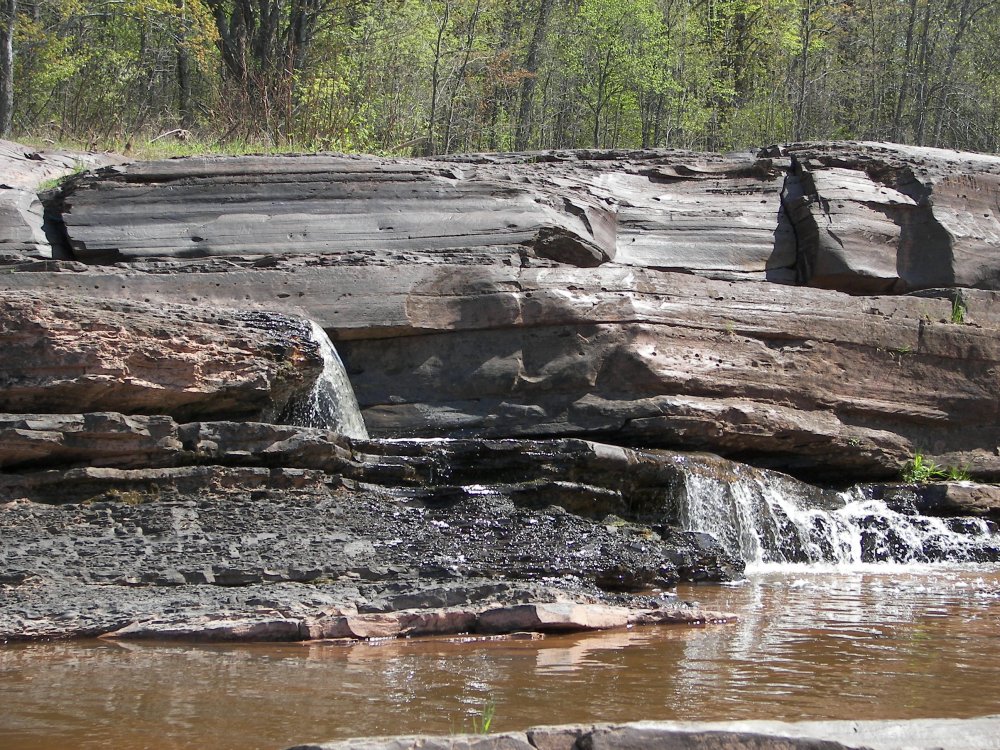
[(528, 336), (23, 235), (99, 354), (254, 531)]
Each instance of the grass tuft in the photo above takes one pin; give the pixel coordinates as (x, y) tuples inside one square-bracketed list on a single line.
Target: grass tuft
[(958, 310), (920, 470)]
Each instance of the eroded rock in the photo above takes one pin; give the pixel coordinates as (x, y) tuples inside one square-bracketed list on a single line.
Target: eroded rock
[(62, 354), (877, 218), (23, 171)]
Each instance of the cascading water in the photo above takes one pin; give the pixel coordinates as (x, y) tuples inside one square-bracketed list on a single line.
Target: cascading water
[(768, 519), (331, 404)]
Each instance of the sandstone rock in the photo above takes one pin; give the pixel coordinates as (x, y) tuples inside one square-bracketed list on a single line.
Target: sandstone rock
[(764, 372), (638, 736), (123, 544), (875, 218), (360, 626), (504, 741), (95, 439), (92, 484), (693, 616), (641, 738), (72, 352), (917, 734), (836, 215), (323, 204), (554, 617), (244, 629), (436, 622), (22, 172), (943, 498)]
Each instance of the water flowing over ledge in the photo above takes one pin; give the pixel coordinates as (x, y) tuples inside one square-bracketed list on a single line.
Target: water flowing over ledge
[(771, 521), (331, 403)]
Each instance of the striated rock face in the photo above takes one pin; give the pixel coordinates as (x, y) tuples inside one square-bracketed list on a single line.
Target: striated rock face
[(530, 338), (875, 218), (807, 380), (61, 355), (864, 218), (599, 294), (22, 172)]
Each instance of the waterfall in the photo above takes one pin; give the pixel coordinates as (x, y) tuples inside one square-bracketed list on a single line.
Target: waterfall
[(765, 518), (331, 404)]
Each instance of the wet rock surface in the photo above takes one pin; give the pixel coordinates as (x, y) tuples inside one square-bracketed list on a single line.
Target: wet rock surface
[(262, 549), (973, 734)]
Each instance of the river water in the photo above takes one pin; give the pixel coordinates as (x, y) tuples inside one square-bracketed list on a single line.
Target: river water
[(881, 642)]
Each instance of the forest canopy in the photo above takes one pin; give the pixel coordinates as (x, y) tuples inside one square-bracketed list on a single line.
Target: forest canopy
[(445, 76)]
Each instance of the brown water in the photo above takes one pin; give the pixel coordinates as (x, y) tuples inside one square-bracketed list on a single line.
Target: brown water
[(831, 646)]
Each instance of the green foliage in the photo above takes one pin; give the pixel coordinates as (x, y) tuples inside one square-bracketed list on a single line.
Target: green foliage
[(957, 310), (422, 76), (920, 470), (54, 182), (481, 724)]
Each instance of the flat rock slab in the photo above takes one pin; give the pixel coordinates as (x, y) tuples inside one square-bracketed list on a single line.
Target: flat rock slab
[(918, 734), (859, 217)]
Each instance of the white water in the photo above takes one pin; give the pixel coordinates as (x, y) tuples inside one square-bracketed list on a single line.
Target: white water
[(331, 404), (768, 521)]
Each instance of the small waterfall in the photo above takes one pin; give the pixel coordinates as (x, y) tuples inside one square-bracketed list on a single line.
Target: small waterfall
[(331, 404), (766, 518)]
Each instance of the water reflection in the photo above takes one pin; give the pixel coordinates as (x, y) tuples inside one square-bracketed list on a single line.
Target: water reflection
[(857, 645)]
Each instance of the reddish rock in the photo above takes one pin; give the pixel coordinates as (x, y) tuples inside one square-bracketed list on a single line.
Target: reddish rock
[(552, 617), (69, 353), (237, 628)]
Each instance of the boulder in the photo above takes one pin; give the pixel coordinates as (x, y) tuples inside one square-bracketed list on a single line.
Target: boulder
[(879, 218), (23, 171), (64, 353)]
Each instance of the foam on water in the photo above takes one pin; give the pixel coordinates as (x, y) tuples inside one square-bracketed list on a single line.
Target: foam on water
[(773, 525)]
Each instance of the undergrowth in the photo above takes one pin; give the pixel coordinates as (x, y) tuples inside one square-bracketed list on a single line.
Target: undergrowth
[(920, 470)]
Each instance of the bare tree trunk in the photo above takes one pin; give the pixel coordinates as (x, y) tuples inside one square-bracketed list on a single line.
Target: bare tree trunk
[(183, 71), (531, 64), (805, 29), (897, 120), (429, 146), (8, 14), (470, 38)]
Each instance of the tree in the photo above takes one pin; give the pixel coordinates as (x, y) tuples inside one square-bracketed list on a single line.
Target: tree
[(264, 45), (8, 17)]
